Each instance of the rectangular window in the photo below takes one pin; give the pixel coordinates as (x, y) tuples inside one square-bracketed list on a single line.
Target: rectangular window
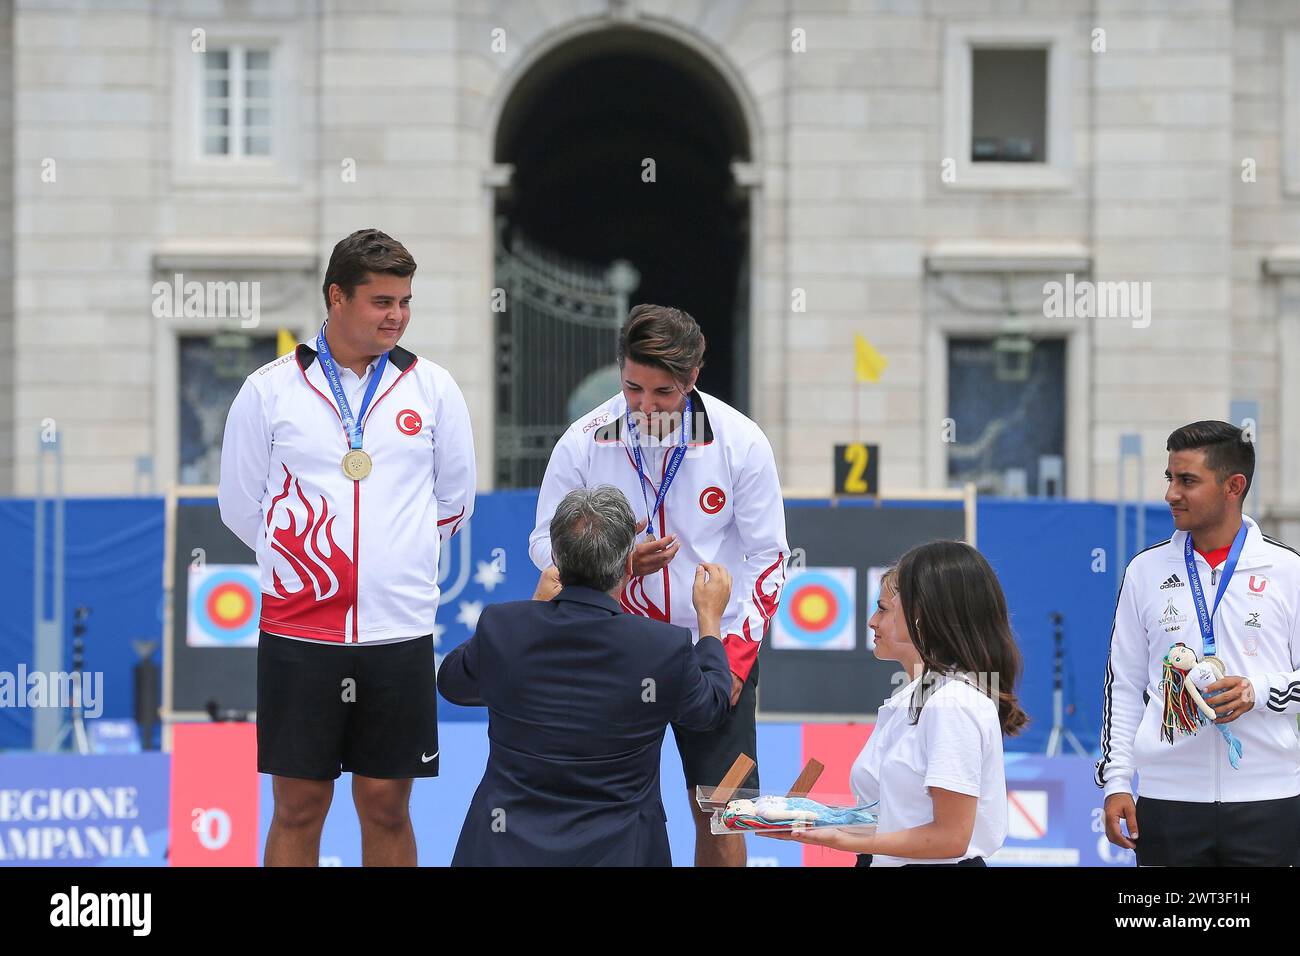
[(1008, 106), (237, 103), (1006, 398), (236, 112)]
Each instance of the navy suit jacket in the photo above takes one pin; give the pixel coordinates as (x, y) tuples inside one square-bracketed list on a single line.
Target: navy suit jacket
[(578, 696)]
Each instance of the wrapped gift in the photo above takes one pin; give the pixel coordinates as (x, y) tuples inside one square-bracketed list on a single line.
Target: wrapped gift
[(736, 811)]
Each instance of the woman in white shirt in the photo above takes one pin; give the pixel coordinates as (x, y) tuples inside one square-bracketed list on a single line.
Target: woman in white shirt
[(934, 759)]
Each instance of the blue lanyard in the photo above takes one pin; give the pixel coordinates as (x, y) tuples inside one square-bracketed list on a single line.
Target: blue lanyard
[(1206, 617), (670, 472), (351, 425)]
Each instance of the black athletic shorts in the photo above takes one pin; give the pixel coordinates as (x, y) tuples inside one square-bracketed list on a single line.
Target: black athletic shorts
[(367, 709), (1249, 833), (707, 755)]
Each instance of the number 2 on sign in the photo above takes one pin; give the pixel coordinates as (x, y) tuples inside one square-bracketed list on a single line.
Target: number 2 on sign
[(856, 456)]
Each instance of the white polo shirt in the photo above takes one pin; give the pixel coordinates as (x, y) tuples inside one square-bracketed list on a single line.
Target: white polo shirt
[(955, 745)]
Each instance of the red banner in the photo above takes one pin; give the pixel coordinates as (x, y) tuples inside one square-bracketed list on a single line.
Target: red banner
[(214, 795), (836, 746)]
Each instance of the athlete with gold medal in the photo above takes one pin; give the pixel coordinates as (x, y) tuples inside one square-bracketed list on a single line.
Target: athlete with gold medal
[(347, 540)]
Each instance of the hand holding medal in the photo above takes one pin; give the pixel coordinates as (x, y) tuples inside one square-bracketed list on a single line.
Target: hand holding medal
[(1185, 676), (1185, 706), (651, 555), (1233, 696)]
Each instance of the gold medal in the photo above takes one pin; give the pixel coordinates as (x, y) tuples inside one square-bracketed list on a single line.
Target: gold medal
[(356, 464)]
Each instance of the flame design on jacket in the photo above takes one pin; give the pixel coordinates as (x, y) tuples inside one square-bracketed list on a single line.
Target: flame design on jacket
[(636, 601), (767, 603), (320, 604)]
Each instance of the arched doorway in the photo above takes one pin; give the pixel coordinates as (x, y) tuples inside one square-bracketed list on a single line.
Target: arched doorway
[(620, 146)]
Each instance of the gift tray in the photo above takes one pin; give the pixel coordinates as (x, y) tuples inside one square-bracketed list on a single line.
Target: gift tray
[(742, 811)]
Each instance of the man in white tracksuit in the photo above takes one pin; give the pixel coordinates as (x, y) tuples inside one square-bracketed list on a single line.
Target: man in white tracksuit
[(706, 495), (344, 466), (1225, 590)]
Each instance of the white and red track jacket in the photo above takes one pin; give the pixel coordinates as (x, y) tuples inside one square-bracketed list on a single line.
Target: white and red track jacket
[(725, 506), (347, 561)]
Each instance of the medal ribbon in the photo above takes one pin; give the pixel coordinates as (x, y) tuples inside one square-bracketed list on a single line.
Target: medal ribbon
[(351, 425), (1206, 616), (670, 472)]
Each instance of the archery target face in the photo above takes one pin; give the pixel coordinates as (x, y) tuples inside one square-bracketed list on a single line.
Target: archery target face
[(817, 611), (225, 606)]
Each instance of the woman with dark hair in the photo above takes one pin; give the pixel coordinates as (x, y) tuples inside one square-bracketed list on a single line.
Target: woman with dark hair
[(934, 759)]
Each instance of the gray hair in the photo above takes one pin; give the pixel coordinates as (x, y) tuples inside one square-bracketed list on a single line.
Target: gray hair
[(592, 534)]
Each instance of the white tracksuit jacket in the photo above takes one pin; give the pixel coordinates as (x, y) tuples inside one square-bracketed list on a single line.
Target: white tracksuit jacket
[(725, 506), (347, 561), (1257, 636)]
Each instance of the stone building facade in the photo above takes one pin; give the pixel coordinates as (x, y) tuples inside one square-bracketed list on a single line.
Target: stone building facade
[(894, 176)]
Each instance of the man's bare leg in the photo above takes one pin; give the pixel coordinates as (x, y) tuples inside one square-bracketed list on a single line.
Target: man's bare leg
[(300, 808), (384, 809), (713, 850)]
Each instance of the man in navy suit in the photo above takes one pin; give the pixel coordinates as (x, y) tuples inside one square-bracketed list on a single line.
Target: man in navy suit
[(578, 696)]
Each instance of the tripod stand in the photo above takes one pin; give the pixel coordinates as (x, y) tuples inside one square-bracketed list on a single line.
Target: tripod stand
[(1059, 730)]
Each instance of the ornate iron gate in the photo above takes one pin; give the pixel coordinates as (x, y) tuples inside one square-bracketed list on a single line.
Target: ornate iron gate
[(557, 338)]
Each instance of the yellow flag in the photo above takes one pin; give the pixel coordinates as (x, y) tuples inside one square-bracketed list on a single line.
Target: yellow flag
[(285, 342), (868, 364)]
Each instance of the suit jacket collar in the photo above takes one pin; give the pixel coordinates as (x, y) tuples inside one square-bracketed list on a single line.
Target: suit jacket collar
[(589, 596)]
